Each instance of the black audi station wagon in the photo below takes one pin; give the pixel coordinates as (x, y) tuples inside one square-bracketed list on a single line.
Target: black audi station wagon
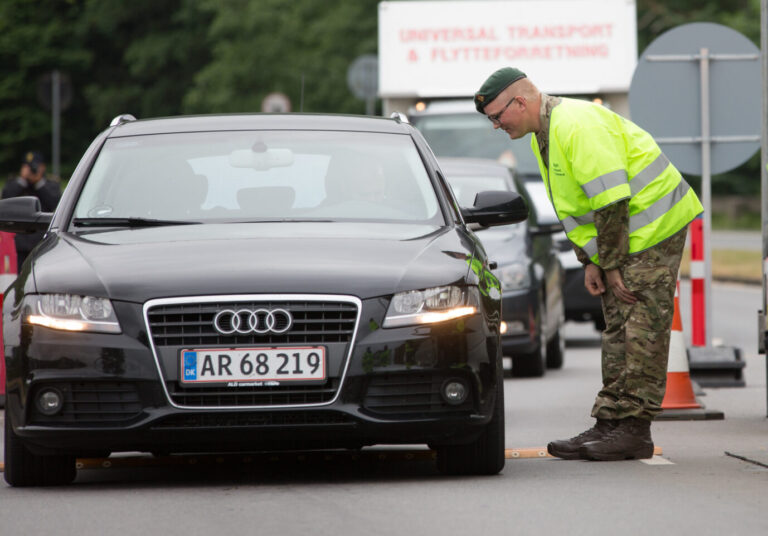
[(253, 283)]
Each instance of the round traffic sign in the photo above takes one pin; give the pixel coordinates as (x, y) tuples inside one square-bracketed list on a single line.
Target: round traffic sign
[(363, 76), (665, 95)]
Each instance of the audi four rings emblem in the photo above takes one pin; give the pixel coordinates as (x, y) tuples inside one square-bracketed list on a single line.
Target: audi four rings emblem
[(260, 321)]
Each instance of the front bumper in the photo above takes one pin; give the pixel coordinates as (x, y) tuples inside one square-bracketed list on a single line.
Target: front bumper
[(385, 387)]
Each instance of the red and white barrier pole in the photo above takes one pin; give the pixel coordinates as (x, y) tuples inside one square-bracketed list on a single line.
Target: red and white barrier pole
[(698, 284), (8, 271)]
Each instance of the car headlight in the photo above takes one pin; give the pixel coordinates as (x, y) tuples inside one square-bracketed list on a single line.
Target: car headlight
[(68, 312), (431, 305), (514, 276)]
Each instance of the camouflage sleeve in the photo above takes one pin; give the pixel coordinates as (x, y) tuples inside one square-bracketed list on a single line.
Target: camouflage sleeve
[(581, 255), (612, 223)]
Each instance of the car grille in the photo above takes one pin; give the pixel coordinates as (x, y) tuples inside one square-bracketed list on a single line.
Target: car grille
[(187, 325), (263, 396), (266, 419), (409, 393), (94, 402), (192, 324)]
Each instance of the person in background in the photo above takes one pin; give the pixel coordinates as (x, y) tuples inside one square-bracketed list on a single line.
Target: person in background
[(31, 181), (626, 210)]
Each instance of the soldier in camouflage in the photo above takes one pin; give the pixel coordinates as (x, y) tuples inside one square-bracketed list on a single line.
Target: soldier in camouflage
[(637, 289)]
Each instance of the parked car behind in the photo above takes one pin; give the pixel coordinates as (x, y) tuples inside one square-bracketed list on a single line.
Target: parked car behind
[(527, 265), (580, 305), (453, 128), (254, 282)]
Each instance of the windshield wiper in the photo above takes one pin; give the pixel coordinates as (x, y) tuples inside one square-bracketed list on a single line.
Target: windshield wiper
[(127, 222)]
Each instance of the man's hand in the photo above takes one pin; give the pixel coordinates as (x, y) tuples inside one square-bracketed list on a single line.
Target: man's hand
[(616, 283), (593, 279), (594, 282)]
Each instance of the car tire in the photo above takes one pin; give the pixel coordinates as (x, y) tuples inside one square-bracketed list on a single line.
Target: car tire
[(485, 456), (556, 348), (23, 468), (599, 322)]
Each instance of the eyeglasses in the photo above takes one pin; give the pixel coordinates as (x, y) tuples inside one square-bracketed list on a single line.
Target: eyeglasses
[(495, 117)]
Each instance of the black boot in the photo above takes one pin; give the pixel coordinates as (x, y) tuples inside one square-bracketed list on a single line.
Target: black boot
[(630, 440), (568, 449)]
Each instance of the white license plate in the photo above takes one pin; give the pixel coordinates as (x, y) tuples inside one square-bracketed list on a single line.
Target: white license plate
[(262, 366)]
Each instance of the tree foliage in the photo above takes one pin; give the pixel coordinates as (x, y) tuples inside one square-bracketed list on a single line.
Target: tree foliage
[(155, 58)]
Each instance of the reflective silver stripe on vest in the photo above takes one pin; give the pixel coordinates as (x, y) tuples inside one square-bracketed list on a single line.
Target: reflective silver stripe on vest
[(571, 222), (605, 182), (591, 248), (659, 208), (647, 174)]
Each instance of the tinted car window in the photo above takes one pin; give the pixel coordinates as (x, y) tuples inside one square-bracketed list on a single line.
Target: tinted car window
[(472, 135), (260, 175)]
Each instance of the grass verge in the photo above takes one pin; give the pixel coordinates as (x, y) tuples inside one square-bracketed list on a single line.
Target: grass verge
[(730, 265)]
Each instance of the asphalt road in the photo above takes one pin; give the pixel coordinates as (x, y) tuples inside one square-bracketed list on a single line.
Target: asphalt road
[(738, 240), (694, 488)]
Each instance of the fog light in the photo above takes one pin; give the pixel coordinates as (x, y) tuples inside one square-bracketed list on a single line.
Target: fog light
[(50, 402), (455, 391), (503, 328)]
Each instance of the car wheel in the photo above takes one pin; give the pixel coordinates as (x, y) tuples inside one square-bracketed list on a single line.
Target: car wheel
[(23, 468), (485, 456), (599, 322), (556, 348)]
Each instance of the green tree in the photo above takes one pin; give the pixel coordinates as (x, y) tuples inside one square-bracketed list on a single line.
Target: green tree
[(36, 38), (654, 17), (263, 46), (148, 55)]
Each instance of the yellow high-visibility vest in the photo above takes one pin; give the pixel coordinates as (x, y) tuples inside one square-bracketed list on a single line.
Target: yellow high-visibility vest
[(597, 158)]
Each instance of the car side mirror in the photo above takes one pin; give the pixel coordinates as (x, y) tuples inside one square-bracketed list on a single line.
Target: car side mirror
[(496, 208), (23, 215)]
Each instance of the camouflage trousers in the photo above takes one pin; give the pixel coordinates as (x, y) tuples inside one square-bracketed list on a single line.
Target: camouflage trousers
[(635, 345)]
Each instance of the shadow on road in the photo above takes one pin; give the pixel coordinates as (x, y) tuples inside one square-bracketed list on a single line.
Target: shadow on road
[(583, 342), (334, 467)]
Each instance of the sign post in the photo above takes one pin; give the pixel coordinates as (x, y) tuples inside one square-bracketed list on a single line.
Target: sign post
[(763, 328)]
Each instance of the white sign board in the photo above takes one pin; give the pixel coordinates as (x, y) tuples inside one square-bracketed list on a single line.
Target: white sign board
[(448, 48)]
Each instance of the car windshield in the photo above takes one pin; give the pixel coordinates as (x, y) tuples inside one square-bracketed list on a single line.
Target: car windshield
[(472, 135), (259, 176)]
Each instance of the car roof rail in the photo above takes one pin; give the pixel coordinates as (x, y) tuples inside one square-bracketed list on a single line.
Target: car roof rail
[(400, 118), (120, 119)]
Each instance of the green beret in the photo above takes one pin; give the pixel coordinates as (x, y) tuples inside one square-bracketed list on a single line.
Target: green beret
[(496, 83)]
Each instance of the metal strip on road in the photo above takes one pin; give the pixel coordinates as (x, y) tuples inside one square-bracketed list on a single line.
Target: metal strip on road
[(541, 452), (657, 460)]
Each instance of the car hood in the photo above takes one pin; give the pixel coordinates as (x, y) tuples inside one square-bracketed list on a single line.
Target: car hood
[(361, 259)]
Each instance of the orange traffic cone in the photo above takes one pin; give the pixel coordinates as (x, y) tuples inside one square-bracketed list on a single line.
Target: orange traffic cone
[(679, 394)]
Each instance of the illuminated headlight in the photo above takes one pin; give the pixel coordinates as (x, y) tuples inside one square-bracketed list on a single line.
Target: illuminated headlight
[(68, 312), (514, 276), (432, 305)]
